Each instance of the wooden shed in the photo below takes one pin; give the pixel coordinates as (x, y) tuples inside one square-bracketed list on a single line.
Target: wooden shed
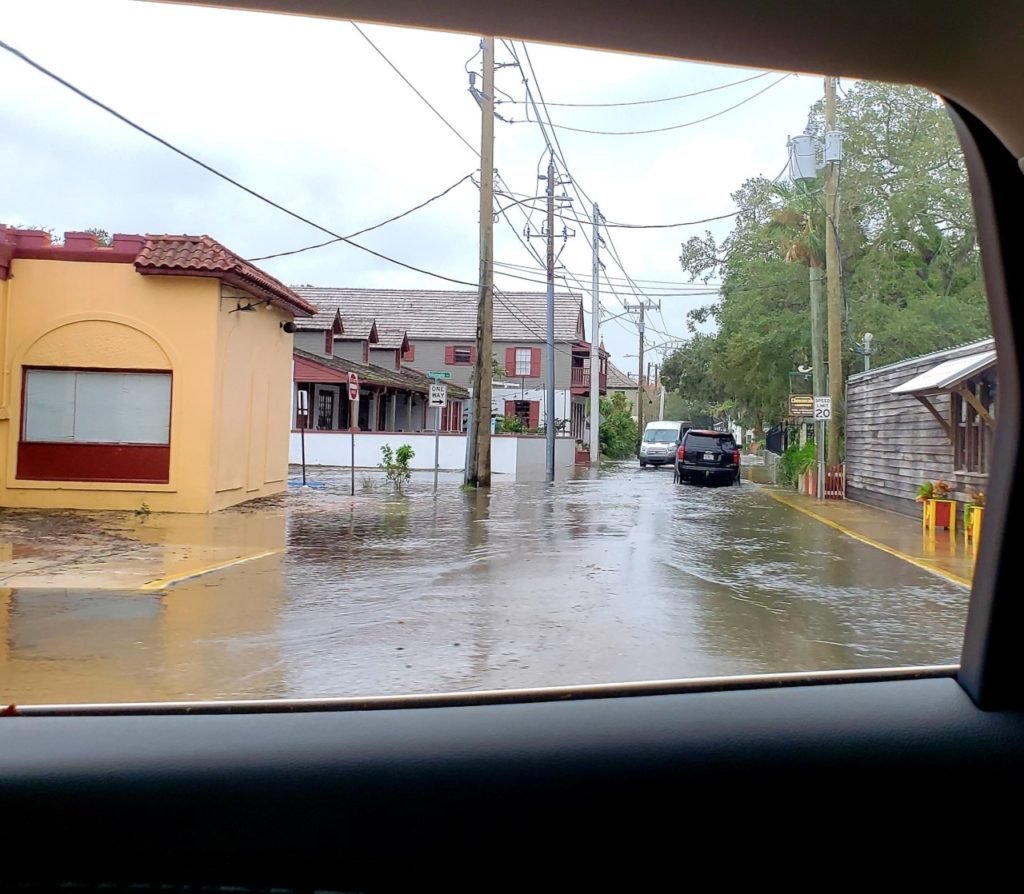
[(926, 418)]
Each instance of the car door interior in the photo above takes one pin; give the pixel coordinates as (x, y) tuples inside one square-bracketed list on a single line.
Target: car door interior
[(571, 788)]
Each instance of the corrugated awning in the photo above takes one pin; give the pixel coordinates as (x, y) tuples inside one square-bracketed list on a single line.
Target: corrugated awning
[(947, 375)]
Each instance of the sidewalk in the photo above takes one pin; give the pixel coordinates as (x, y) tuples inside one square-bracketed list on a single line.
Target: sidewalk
[(890, 532)]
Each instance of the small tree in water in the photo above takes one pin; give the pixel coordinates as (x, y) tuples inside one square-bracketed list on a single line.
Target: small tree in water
[(395, 465)]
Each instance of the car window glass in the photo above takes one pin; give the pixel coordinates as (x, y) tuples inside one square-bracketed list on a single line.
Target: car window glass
[(251, 463)]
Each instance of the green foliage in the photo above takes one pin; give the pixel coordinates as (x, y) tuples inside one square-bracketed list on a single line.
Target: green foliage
[(797, 460), (508, 425), (910, 268), (497, 370), (102, 236), (395, 465), (618, 428)]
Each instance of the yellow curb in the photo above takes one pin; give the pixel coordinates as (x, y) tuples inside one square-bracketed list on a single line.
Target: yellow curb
[(919, 563), (164, 582)]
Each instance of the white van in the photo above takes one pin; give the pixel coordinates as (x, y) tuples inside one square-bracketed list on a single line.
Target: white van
[(661, 440)]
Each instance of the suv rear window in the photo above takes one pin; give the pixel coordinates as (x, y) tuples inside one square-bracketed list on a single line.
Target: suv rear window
[(705, 442)]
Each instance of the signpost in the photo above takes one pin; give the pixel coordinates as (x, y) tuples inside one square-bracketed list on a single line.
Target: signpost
[(822, 414), (438, 398), (353, 419), (303, 406)]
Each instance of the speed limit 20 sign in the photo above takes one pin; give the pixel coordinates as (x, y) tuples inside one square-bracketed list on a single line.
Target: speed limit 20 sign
[(823, 408)]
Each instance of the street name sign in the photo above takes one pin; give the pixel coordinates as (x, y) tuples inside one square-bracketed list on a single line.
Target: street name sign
[(439, 374), (823, 408), (438, 394)]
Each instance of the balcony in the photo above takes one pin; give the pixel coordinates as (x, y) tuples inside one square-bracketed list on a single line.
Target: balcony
[(581, 381)]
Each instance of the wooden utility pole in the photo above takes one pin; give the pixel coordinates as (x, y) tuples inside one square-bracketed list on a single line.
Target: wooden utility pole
[(818, 370), (595, 334), (834, 283), (641, 395), (479, 466), (549, 362)]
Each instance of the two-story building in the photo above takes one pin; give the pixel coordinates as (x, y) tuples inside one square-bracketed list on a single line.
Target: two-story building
[(152, 371), (392, 397), (440, 332)]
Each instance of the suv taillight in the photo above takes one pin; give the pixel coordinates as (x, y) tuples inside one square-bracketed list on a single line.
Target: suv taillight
[(735, 457), (681, 454)]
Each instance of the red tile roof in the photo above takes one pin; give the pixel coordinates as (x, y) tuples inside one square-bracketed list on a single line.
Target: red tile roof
[(203, 256)]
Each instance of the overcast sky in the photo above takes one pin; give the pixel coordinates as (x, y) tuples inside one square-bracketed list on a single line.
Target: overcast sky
[(306, 112)]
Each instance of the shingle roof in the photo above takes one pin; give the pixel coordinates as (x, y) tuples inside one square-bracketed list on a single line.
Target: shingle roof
[(321, 321), (369, 373), (202, 255), (360, 328), (518, 316), (617, 379), (390, 338)]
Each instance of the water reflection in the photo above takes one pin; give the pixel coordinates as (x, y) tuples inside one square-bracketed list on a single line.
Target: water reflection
[(614, 576)]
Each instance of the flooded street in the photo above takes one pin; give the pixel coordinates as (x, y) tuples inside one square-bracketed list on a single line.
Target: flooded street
[(609, 576)]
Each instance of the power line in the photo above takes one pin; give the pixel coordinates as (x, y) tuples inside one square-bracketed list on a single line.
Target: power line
[(409, 83), (377, 226), (633, 133), (645, 102), (252, 192)]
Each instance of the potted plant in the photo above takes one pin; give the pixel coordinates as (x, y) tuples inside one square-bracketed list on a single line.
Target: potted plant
[(974, 511), (939, 509)]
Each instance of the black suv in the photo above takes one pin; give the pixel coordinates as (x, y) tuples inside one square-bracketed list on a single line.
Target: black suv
[(707, 455)]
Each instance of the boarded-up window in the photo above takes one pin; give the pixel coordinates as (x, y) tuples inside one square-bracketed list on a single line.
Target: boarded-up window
[(79, 407)]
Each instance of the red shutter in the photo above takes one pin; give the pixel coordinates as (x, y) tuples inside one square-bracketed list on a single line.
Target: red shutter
[(510, 406), (510, 361), (366, 352), (472, 355), (449, 354), (410, 355), (535, 408), (329, 341), (534, 361)]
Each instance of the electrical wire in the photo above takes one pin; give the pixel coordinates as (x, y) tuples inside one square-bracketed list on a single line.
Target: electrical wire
[(377, 226), (409, 84), (646, 102), (634, 133), (252, 192)]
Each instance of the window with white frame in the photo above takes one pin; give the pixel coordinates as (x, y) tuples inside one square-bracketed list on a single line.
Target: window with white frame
[(524, 358), (87, 407)]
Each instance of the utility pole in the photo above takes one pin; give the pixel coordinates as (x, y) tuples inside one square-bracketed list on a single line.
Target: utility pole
[(549, 416), (641, 396), (835, 301), (595, 358), (479, 465), (818, 371)]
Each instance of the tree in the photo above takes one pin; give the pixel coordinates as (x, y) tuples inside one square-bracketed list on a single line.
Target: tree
[(618, 428), (910, 268)]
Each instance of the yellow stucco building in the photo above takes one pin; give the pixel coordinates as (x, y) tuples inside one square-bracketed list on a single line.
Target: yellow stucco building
[(155, 371)]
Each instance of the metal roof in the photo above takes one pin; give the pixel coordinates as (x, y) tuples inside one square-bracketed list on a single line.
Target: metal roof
[(371, 374), (948, 374), (423, 314)]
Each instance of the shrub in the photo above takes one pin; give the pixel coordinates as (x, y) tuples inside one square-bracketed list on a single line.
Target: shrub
[(395, 465), (797, 460)]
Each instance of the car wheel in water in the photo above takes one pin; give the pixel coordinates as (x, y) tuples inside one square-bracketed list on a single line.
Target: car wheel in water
[(643, 465)]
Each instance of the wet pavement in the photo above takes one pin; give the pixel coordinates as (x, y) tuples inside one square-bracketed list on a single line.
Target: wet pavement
[(609, 576)]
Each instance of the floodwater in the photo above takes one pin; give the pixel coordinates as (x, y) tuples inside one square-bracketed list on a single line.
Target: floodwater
[(616, 575)]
